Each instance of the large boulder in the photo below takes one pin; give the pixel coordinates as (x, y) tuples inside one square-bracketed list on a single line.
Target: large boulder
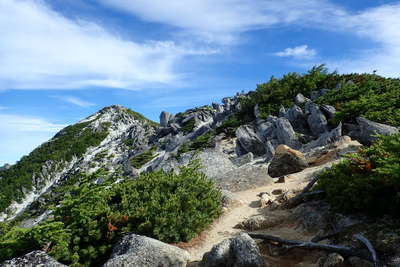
[(240, 251), (300, 99), (316, 119), (165, 118), (135, 250), (33, 259), (285, 133), (286, 161), (248, 139), (367, 130)]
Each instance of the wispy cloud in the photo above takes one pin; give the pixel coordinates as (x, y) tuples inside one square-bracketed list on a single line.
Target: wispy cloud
[(3, 107), (298, 52), (40, 48), (21, 134), (76, 101), (222, 21)]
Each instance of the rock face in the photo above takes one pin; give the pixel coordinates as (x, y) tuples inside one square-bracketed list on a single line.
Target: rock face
[(316, 120), (33, 259), (286, 134), (135, 250), (240, 251), (286, 161), (367, 129)]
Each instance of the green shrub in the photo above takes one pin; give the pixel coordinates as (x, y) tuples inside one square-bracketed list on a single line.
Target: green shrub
[(201, 142), (141, 159), (166, 206), (188, 126), (368, 182), (230, 125)]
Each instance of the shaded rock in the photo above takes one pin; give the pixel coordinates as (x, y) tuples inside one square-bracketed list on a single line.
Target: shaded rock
[(257, 113), (311, 216), (297, 118), (286, 161), (249, 140), (286, 134), (215, 164), (333, 260), (165, 118), (33, 259), (282, 111), (247, 158), (367, 130), (240, 251), (357, 262), (135, 250), (316, 120)]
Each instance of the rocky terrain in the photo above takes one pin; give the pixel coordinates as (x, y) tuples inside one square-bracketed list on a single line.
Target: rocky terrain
[(260, 169)]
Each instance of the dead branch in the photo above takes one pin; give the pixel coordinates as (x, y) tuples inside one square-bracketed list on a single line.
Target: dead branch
[(369, 246), (305, 193), (345, 251)]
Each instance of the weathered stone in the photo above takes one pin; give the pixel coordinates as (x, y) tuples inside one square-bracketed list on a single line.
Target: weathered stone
[(285, 133), (311, 216), (249, 140), (240, 251), (32, 259), (357, 262), (286, 161), (135, 250)]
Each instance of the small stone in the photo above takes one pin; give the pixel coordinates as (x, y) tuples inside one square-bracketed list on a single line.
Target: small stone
[(333, 260)]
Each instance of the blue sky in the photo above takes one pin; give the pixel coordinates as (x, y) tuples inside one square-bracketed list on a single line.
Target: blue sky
[(62, 60)]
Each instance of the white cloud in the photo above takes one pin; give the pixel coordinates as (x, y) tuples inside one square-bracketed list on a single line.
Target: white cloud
[(221, 21), (380, 25), (19, 135), (298, 52), (76, 101), (39, 48), (3, 107)]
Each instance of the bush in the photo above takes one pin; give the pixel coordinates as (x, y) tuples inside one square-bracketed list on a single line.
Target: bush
[(166, 206), (368, 181), (201, 142), (139, 160)]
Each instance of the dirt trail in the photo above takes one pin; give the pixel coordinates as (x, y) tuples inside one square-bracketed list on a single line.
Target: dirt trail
[(224, 227)]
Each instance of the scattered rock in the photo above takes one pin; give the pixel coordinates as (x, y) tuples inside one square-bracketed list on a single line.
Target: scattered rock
[(135, 250), (286, 161), (333, 260), (258, 222), (325, 139), (265, 199), (240, 251), (311, 216), (33, 259), (328, 111), (229, 199)]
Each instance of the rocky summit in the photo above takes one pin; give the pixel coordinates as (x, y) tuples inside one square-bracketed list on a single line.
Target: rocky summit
[(285, 162)]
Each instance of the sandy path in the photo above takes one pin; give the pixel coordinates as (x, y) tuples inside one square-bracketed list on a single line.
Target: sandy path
[(223, 228)]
